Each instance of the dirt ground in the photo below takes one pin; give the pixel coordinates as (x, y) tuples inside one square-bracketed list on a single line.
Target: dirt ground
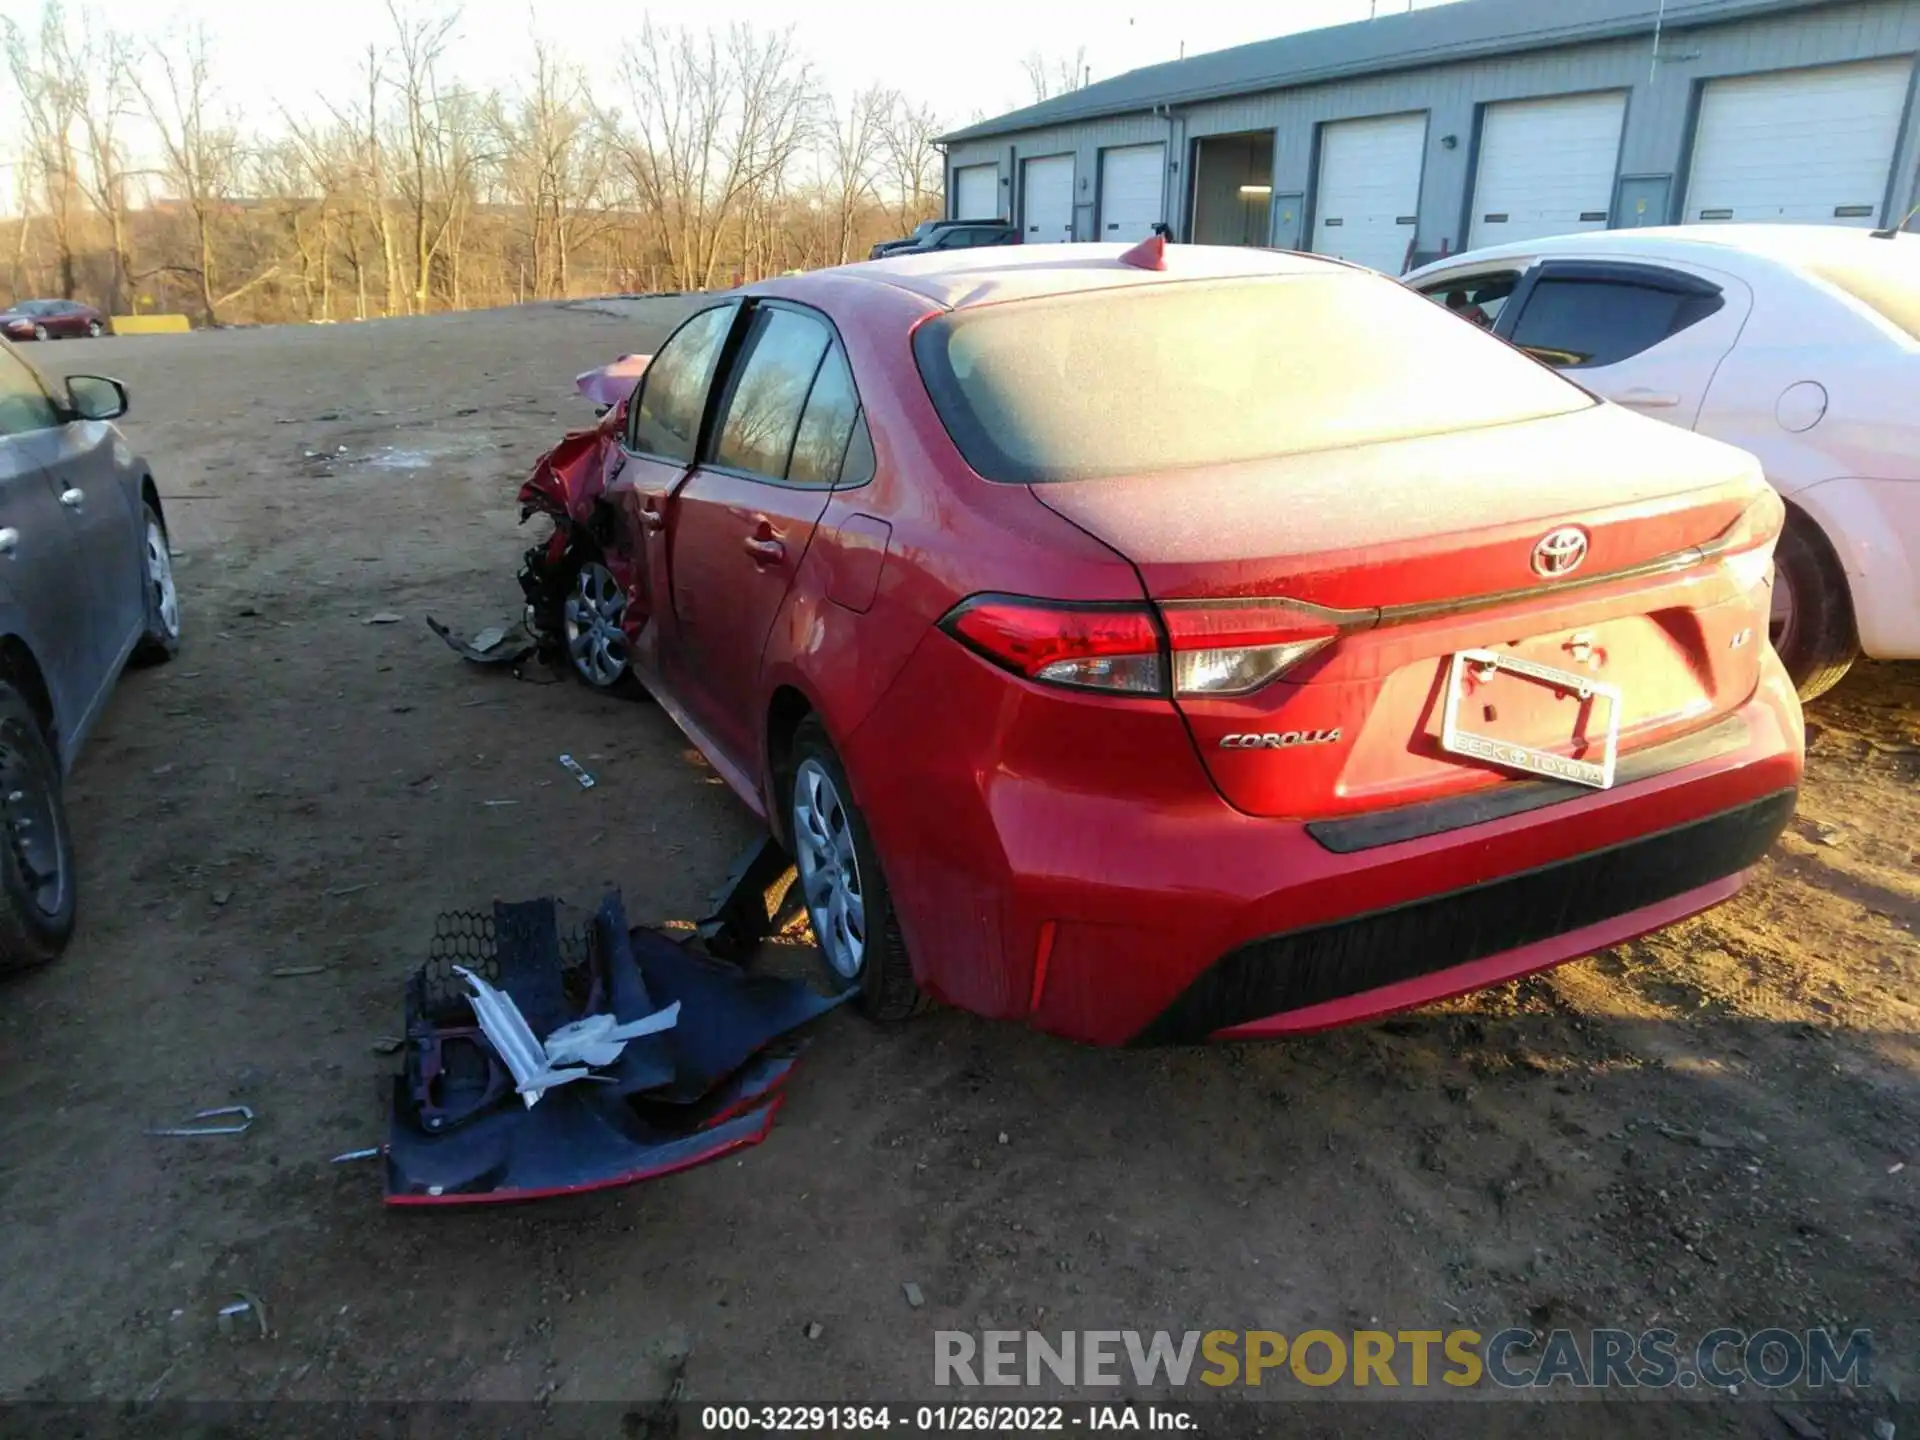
[(1699, 1129)]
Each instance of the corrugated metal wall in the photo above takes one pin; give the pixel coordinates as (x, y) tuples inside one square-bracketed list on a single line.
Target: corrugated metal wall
[(1661, 104)]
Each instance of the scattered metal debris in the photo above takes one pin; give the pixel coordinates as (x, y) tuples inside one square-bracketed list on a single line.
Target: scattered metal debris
[(245, 1304), (342, 890), (192, 1126), (495, 804), (294, 972), (385, 617), (388, 1045), (912, 1292), (578, 772), (371, 1152), (490, 647)]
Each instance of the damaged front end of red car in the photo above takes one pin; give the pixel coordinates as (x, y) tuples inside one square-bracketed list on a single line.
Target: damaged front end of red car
[(568, 485)]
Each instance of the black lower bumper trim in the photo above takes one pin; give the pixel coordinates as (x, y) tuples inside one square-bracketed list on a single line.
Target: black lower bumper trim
[(1329, 962), (1516, 797)]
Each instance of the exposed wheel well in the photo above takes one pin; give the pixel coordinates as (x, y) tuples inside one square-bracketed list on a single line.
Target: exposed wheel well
[(784, 715), (150, 493), (19, 669)]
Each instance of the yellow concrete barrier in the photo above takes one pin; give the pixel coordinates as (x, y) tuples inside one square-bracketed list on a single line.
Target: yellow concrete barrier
[(150, 325)]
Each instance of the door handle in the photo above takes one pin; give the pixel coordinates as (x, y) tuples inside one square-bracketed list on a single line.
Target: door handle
[(764, 551), (1652, 399), (9, 540), (653, 519), (73, 499)]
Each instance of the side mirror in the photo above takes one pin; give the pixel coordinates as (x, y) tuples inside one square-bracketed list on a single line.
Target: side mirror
[(95, 397)]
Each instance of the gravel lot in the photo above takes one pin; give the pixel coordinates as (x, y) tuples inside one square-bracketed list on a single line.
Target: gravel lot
[(1699, 1129)]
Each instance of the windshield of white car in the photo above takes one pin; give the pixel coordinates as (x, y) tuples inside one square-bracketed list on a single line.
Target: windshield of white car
[(1160, 377), (1885, 279)]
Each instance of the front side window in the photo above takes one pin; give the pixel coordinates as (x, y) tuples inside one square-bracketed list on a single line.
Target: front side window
[(1479, 298), (24, 404), (1170, 376), (778, 362), (673, 396), (1579, 323)]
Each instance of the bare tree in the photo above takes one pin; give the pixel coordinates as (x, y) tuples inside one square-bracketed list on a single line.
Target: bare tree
[(1055, 75), (48, 111), (553, 165), (717, 118), (912, 171), (99, 75), (854, 139), (202, 154)]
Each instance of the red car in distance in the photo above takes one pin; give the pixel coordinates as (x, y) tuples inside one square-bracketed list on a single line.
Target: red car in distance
[(1184, 642), (51, 320)]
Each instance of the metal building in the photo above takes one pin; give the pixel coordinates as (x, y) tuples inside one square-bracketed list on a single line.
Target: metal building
[(1394, 140)]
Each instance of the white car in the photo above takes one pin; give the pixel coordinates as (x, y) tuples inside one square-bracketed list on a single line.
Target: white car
[(1798, 343)]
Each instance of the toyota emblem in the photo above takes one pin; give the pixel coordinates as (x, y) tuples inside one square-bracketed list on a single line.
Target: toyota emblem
[(1560, 552)]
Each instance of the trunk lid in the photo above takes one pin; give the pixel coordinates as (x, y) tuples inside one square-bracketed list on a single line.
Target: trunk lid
[(1413, 550)]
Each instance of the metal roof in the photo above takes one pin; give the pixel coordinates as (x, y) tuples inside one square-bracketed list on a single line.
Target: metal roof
[(1464, 30)]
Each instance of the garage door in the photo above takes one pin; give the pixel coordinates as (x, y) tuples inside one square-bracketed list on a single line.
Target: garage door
[(1807, 146), (1546, 167), (1368, 198), (976, 193), (1046, 200), (1130, 191)]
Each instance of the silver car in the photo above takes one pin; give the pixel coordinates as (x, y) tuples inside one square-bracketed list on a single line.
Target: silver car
[(86, 585)]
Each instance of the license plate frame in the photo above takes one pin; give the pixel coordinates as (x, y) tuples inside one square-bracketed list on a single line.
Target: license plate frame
[(1528, 760)]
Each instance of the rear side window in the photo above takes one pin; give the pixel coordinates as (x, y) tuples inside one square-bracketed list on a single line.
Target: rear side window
[(825, 425), (777, 366), (1575, 324), (673, 396), (1180, 374)]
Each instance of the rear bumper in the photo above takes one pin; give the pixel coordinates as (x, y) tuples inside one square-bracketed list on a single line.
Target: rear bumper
[(1448, 944), (1028, 889)]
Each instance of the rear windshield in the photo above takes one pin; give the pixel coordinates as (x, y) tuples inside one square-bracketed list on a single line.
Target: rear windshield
[(1171, 376), (1887, 283)]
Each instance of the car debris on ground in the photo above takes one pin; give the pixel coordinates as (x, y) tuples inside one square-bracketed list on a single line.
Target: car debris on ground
[(196, 1124), (539, 1064)]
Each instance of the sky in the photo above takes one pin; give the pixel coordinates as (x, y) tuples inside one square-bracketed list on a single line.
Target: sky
[(959, 58)]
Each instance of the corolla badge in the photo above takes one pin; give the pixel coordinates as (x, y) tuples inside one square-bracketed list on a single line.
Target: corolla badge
[(1281, 740), (1559, 552)]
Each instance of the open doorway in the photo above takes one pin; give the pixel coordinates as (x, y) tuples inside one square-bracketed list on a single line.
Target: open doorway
[(1232, 188)]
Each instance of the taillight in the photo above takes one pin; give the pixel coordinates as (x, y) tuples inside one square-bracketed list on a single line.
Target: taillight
[(1207, 650), (1747, 547), (1229, 649), (1087, 647)]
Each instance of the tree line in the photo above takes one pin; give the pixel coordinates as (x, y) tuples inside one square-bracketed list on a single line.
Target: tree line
[(715, 157)]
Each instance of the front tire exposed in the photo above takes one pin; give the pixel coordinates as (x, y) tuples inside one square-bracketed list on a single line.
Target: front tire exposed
[(1811, 624), (37, 888), (160, 641), (589, 624), (845, 894)]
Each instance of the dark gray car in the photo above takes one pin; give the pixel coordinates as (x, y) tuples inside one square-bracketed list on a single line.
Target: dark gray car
[(86, 584)]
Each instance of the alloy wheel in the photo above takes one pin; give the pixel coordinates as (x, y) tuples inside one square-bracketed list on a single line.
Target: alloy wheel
[(163, 595), (596, 644), (829, 869)]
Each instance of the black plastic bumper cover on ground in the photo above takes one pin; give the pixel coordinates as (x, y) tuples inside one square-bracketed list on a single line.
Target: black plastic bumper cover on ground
[(1329, 962)]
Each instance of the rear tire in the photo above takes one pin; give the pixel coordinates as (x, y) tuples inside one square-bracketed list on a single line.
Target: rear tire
[(1812, 622), (846, 895), (37, 883)]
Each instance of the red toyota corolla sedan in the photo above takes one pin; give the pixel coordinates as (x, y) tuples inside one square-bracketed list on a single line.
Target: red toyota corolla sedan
[(1162, 645)]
